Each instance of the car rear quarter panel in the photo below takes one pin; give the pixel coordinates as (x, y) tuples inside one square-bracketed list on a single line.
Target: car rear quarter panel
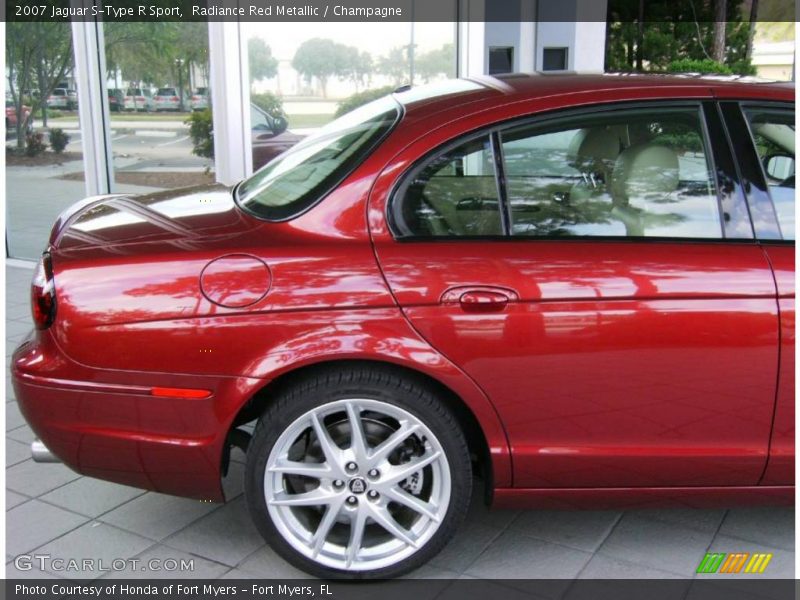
[(134, 313)]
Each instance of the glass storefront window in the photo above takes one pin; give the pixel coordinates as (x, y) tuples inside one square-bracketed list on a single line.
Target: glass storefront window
[(159, 96), (307, 74), (43, 138)]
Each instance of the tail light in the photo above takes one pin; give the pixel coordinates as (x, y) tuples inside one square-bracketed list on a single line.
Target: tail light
[(140, 98), (175, 98), (43, 294)]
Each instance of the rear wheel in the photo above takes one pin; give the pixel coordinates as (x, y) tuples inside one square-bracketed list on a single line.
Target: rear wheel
[(357, 474)]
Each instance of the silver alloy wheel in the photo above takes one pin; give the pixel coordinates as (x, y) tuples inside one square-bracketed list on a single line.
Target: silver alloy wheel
[(357, 484)]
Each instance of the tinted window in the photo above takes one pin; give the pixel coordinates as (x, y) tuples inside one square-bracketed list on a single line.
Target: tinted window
[(501, 60), (166, 92), (554, 59), (453, 194), (774, 137), (296, 179), (634, 174)]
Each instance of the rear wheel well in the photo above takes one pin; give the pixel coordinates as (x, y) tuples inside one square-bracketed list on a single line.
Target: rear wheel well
[(476, 440)]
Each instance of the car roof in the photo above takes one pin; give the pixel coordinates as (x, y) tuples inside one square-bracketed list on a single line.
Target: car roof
[(459, 94)]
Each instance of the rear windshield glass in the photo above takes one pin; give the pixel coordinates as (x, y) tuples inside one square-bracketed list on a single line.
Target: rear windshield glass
[(293, 181), (166, 92)]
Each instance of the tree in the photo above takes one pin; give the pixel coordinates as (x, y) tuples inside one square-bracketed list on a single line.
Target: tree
[(262, 64), (318, 58), (37, 53), (395, 65), (363, 69), (156, 52), (353, 65), (672, 32), (322, 59), (752, 30), (433, 63), (718, 52), (143, 52)]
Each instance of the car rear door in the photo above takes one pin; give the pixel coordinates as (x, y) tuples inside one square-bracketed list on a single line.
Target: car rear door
[(596, 274), (764, 138)]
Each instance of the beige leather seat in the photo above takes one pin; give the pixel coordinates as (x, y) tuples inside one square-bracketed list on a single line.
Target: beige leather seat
[(464, 205), (594, 152), (643, 175)]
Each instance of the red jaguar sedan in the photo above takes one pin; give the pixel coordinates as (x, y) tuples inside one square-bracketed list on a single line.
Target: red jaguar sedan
[(578, 288)]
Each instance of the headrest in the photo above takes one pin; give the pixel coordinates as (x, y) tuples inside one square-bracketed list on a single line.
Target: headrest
[(593, 150), (647, 171)]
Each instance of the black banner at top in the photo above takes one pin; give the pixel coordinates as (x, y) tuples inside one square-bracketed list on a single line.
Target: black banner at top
[(440, 589), (388, 10)]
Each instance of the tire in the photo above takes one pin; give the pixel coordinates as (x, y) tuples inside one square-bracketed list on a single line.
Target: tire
[(378, 493)]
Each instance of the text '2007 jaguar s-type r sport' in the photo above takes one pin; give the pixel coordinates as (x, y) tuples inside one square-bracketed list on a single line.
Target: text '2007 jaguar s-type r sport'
[(574, 291)]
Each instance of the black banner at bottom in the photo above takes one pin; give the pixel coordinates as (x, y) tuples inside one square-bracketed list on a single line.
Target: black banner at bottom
[(405, 589)]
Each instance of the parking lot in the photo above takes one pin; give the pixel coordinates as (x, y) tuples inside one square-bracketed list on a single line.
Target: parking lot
[(52, 510)]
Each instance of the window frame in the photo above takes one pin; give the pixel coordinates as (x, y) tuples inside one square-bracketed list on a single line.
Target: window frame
[(545, 119), (421, 163), (757, 173)]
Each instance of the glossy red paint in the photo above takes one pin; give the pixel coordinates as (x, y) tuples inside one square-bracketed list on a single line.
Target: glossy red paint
[(605, 366), (235, 280), (780, 468), (605, 356), (643, 498)]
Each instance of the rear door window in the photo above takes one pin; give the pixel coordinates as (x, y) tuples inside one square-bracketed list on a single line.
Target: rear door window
[(454, 194), (623, 174)]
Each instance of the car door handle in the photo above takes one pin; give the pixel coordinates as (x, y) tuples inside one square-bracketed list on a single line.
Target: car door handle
[(479, 298)]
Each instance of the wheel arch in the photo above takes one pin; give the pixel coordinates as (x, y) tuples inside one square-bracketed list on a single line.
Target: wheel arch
[(483, 453)]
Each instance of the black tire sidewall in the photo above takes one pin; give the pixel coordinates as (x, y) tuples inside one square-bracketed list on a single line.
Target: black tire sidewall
[(296, 401)]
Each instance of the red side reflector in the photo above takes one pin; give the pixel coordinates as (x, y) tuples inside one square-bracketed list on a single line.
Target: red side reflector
[(166, 392)]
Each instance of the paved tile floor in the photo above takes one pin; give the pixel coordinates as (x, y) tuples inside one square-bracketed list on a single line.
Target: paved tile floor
[(52, 510)]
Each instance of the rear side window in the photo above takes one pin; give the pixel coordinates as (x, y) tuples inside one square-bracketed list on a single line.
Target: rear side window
[(774, 136), (627, 173), (455, 194), (630, 174)]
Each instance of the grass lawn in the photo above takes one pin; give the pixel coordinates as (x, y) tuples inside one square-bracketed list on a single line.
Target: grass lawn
[(297, 121)]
